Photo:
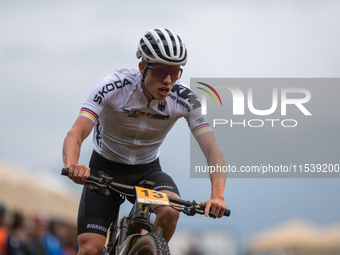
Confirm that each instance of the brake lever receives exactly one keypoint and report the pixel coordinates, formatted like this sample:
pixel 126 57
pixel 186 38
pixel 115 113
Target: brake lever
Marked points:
pixel 105 177
pixel 99 191
pixel 213 215
pixel 96 184
pixel 190 211
pixel 98 188
pixel 201 211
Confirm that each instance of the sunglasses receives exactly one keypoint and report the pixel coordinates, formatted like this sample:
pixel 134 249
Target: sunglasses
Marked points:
pixel 162 72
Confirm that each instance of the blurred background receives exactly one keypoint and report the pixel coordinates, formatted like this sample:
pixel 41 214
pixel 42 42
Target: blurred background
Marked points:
pixel 52 53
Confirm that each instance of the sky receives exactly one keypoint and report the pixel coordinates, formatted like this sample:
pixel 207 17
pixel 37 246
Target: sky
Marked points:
pixel 53 53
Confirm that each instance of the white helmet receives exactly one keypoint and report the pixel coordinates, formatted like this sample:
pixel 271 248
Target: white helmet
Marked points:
pixel 163 46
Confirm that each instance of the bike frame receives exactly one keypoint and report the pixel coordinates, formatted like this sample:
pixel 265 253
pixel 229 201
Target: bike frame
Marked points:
pixel 130 229
pixel 138 219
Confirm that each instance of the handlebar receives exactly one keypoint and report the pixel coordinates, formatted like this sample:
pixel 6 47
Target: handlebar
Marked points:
pixel 131 190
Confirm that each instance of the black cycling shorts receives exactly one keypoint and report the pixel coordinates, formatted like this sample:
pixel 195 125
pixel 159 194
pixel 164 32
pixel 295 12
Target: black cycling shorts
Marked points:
pixel 97 212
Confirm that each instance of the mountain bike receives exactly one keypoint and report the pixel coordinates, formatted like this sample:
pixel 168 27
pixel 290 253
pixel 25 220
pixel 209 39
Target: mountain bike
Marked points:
pixel 132 239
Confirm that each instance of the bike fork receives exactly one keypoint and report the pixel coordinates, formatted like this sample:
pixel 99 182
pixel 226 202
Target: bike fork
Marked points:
pixel 112 234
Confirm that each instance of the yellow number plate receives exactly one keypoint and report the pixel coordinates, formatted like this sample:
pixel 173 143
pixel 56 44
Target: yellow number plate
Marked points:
pixel 149 196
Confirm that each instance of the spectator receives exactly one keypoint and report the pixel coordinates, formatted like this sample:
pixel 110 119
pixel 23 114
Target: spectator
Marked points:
pixel 52 243
pixel 19 242
pixel 39 231
pixel 3 231
pixel 68 237
pixel 52 237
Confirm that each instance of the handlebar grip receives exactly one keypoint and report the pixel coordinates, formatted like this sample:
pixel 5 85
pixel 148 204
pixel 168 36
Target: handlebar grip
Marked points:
pixel 226 212
pixel 64 171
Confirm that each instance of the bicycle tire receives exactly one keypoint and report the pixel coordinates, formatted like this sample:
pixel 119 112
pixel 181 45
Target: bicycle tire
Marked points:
pixel 150 244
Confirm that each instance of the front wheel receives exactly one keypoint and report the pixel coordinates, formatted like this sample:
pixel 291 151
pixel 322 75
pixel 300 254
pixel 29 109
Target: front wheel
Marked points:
pixel 150 244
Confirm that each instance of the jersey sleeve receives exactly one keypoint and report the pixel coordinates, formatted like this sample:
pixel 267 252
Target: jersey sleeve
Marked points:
pixel 98 97
pixel 197 122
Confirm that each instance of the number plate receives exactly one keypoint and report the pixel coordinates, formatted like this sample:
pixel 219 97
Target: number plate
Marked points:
pixel 149 196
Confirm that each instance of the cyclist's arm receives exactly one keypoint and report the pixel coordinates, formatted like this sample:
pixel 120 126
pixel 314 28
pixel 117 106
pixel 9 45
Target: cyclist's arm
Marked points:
pixel 214 157
pixel 71 149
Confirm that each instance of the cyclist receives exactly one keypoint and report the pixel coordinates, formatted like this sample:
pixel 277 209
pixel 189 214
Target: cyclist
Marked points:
pixel 131 111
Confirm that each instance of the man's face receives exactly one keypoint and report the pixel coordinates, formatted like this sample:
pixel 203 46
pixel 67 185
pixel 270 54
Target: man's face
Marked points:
pixel 159 88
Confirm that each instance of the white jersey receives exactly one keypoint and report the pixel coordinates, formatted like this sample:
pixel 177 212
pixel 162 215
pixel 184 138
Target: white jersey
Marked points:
pixel 129 130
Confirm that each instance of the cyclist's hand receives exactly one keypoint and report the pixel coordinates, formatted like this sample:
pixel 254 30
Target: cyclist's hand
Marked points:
pixel 78 173
pixel 216 206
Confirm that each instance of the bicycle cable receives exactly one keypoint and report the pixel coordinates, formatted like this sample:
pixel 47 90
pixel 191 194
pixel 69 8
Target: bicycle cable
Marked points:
pixel 119 192
pixel 177 207
pixel 158 207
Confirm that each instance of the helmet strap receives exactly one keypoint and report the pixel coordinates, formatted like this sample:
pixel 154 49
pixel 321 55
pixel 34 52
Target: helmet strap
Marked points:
pixel 144 74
